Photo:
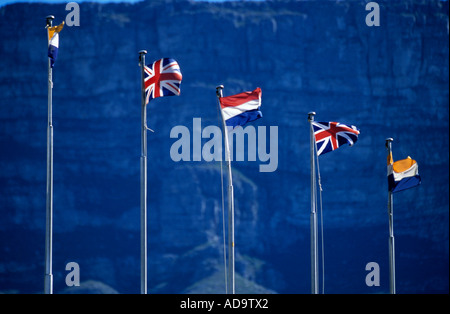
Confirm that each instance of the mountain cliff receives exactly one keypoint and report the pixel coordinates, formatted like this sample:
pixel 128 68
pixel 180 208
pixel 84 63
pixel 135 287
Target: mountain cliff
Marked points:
pixel 389 81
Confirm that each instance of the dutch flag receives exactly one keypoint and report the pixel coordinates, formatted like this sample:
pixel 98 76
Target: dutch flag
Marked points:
pixel 241 108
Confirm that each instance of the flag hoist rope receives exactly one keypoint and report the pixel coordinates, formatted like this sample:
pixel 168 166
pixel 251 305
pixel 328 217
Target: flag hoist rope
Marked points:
pixel 319 182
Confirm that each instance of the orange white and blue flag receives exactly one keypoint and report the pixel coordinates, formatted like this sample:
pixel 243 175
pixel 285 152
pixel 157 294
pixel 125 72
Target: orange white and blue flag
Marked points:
pixel 402 174
pixel 53 42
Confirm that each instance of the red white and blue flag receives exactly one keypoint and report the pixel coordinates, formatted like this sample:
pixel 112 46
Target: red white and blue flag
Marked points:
pixel 162 78
pixel 331 135
pixel 241 108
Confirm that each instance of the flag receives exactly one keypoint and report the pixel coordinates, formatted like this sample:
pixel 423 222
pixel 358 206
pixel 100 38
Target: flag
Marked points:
pixel 331 135
pixel 53 42
pixel 241 108
pixel 402 174
pixel 162 78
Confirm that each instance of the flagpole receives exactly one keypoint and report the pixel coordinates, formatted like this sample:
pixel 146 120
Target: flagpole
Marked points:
pixel 231 266
pixel 313 215
pixel 143 178
pixel 391 229
pixel 48 282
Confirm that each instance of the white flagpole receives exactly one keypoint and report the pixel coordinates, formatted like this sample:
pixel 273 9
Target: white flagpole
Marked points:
pixel 391 229
pixel 143 178
pixel 48 282
pixel 313 215
pixel 231 267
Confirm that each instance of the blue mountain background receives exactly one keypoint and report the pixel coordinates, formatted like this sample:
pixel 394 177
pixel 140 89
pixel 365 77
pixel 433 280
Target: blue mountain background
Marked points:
pixel 389 80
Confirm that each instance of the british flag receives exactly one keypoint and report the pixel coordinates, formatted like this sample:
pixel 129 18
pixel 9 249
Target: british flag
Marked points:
pixel 331 135
pixel 162 78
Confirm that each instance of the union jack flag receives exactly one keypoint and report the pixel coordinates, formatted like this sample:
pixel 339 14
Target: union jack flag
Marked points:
pixel 331 135
pixel 162 78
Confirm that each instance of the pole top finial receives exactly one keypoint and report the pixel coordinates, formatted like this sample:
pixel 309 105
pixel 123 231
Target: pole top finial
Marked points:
pixel 142 54
pixel 49 19
pixel 311 115
pixel 219 90
pixel 389 141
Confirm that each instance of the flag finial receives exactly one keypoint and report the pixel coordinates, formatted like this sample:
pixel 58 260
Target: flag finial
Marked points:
pixel 219 91
pixel 49 19
pixel 311 116
pixel 141 53
pixel 389 140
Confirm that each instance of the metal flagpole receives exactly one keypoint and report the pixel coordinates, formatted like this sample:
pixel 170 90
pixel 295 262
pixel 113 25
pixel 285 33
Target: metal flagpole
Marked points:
pixel 391 229
pixel 313 216
pixel 143 178
pixel 48 283
pixel 231 268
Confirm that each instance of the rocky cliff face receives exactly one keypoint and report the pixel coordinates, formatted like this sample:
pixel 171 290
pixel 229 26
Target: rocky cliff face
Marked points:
pixel 389 81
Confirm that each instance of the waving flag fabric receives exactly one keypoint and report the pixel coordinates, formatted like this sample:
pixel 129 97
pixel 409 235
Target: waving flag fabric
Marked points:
pixel 53 42
pixel 331 135
pixel 162 78
pixel 241 108
pixel 402 174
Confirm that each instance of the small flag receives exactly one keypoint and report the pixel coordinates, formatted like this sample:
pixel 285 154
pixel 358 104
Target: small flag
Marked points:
pixel 402 174
pixel 331 135
pixel 53 42
pixel 241 108
pixel 162 78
